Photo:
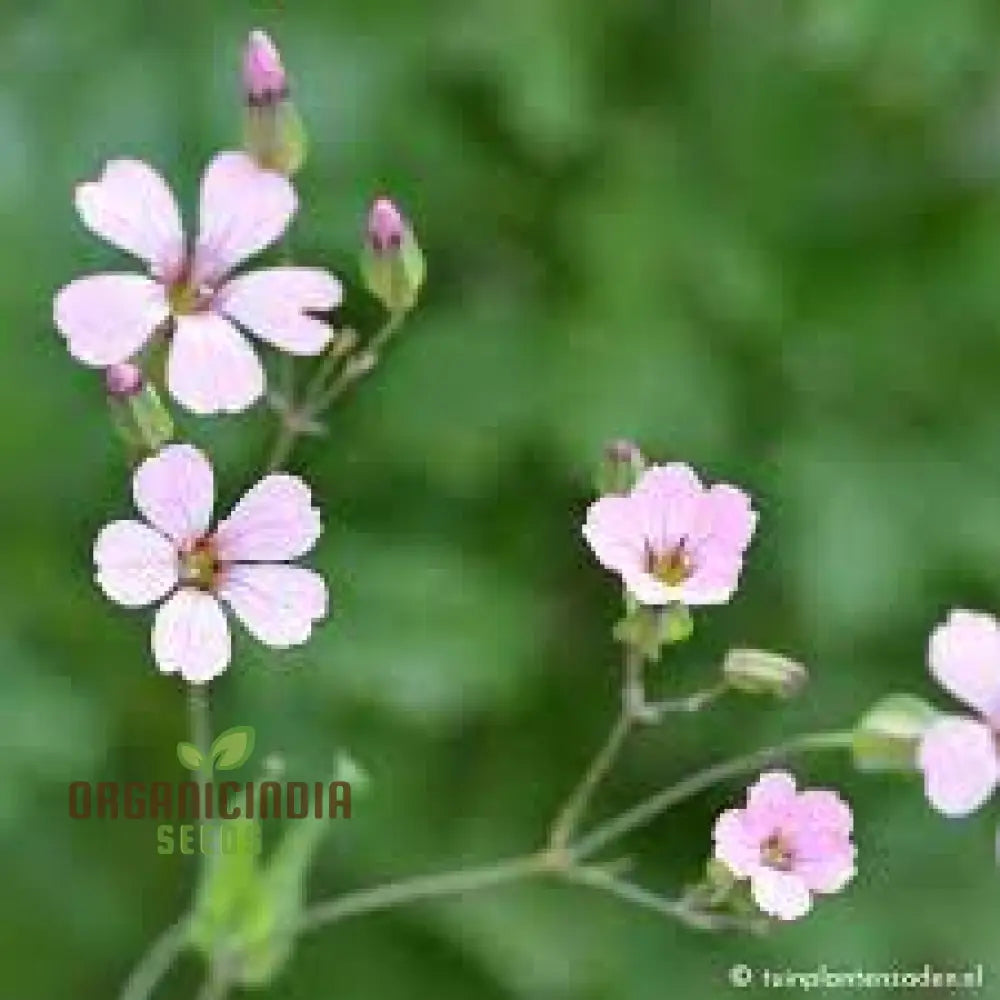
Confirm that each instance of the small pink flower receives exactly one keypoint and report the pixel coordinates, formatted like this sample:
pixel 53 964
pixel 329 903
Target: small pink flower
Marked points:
pixel 264 78
pixel 242 563
pixel 960 756
pixel 211 367
pixel 790 844
pixel 671 540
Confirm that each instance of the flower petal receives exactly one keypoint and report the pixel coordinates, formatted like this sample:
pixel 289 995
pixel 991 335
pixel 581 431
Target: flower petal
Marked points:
pixel 616 535
pixel 725 517
pixel 821 809
pixel 135 564
pixel 964 655
pixel 273 303
pixel 274 522
pixel 243 210
pixel 175 491
pixel 191 637
pixel 781 894
pixel 107 318
pixel 278 604
pixel 735 846
pixel 771 803
pixel 212 368
pixel 131 207
pixel 667 499
pixel 959 760
pixel 825 863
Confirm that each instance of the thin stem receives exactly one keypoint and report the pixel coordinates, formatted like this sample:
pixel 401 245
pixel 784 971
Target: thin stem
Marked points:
pixel 659 803
pixel 156 963
pixel 632 708
pixel 656 710
pixel 321 394
pixel 675 909
pixel 422 887
pixel 201 729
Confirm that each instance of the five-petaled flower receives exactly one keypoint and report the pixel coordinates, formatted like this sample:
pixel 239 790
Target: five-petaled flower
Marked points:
pixel 960 756
pixel 790 844
pixel 671 540
pixel 189 293
pixel 242 563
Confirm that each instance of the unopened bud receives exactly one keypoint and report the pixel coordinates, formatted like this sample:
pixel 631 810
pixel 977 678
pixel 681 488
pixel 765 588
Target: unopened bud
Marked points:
pixel 123 380
pixel 264 78
pixel 392 262
pixel 887 737
pixel 756 671
pixel 273 131
pixel 142 420
pixel 620 468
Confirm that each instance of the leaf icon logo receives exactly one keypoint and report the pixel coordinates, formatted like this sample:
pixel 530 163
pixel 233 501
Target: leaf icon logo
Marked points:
pixel 230 750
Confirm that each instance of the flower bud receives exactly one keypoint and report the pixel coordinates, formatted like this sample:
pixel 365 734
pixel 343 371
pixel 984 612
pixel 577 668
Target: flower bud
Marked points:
pixel 755 671
pixel 392 262
pixel 887 737
pixel 273 131
pixel 124 380
pixel 620 468
pixel 142 420
pixel 264 79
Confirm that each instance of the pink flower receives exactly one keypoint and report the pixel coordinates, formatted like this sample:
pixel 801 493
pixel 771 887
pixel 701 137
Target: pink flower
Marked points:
pixel 264 78
pixel 386 226
pixel 671 540
pixel 958 755
pixel 243 563
pixel 790 844
pixel 211 368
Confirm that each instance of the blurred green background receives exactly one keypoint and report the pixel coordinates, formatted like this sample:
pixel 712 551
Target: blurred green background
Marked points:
pixel 759 236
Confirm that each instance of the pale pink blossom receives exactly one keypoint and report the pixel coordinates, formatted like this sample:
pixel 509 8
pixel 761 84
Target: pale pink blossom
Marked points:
pixel 264 78
pixel 673 540
pixel 243 564
pixel 189 292
pixel 386 226
pixel 791 845
pixel 959 755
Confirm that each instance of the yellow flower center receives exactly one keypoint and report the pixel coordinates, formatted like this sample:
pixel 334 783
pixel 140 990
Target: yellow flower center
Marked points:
pixel 776 853
pixel 200 566
pixel 671 568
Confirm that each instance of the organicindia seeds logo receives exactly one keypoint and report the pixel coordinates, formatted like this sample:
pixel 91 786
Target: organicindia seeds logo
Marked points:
pixel 205 816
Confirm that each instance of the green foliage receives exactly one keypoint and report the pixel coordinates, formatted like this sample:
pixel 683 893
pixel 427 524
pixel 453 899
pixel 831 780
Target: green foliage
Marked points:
pixel 760 237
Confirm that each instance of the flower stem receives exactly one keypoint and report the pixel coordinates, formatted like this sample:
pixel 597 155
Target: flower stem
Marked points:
pixel 632 707
pixel 422 887
pixel 156 963
pixel 659 803
pixel 323 390
pixel 200 721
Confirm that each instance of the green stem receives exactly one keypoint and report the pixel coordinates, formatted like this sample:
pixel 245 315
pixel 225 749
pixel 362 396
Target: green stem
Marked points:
pixel 659 803
pixel 321 394
pixel 420 888
pixel 156 963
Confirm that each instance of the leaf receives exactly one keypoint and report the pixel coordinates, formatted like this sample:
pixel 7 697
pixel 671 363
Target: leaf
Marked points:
pixel 189 756
pixel 233 747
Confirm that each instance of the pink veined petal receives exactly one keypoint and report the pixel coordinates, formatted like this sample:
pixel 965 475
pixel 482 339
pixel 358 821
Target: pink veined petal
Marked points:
pixel 666 501
pixel 273 304
pixel 819 809
pixel 771 803
pixel 734 846
pixel 278 604
pixel 135 564
pixel 646 589
pixel 614 531
pixel 958 758
pixel 715 577
pixel 780 894
pixel 130 206
pixel 175 491
pixel 243 210
pixel 274 522
pixel 964 655
pixel 825 862
pixel 107 318
pixel 725 518
pixel 212 368
pixel 191 637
